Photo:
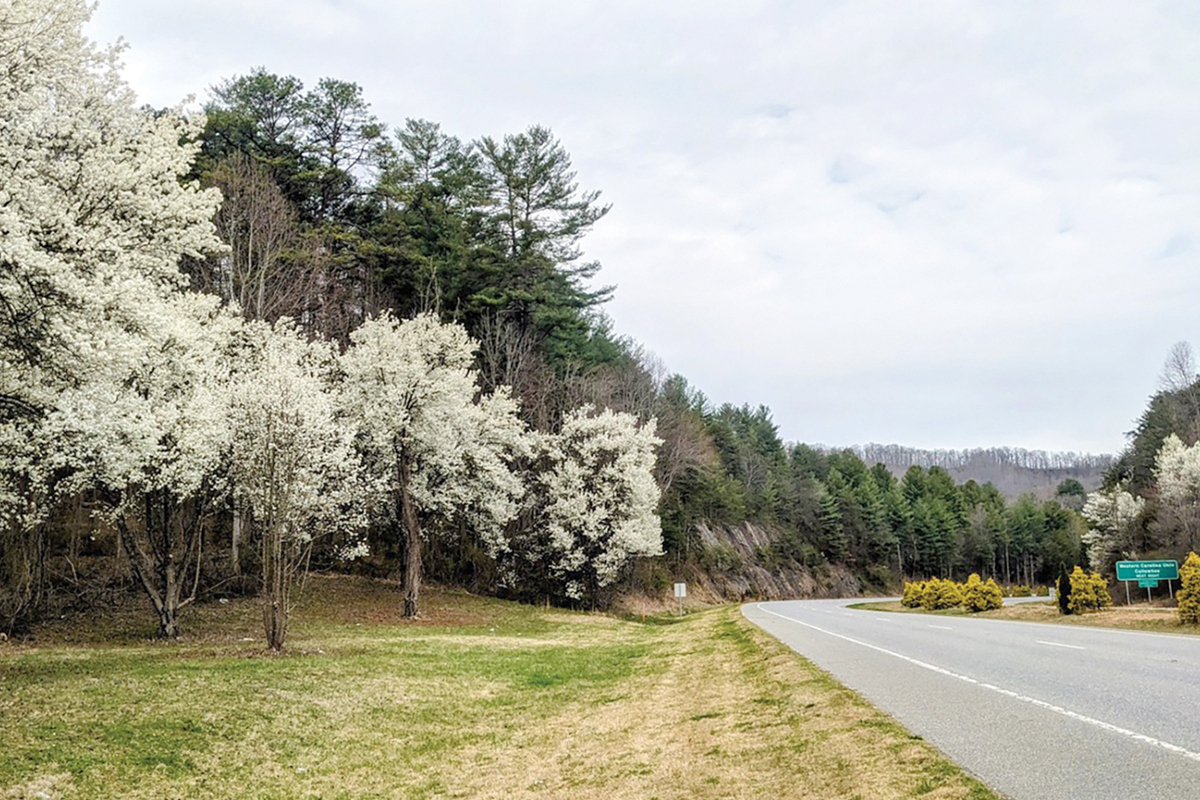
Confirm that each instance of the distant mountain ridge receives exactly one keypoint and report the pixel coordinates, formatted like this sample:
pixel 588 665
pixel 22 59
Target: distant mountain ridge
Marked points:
pixel 1012 470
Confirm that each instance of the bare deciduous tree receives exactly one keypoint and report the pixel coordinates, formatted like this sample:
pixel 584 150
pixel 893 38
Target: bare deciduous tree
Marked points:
pixel 1179 370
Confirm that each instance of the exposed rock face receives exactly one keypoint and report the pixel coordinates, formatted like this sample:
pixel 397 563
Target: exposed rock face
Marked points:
pixel 742 573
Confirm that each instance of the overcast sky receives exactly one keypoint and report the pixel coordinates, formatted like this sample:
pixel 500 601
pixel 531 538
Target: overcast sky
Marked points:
pixel 938 224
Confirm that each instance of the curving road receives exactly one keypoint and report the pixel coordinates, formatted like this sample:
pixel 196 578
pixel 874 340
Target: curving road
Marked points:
pixel 1037 712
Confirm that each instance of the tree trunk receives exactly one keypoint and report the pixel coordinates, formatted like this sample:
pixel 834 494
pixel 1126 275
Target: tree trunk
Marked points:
pixel 170 544
pixel 412 543
pixel 275 588
pixel 235 560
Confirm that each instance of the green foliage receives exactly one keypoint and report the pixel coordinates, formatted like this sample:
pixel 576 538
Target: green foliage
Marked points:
pixel 1064 591
pixel 1071 494
pixel 1071 488
pixel 914 593
pixel 1188 596
pixel 979 595
pixel 1172 411
pixel 1089 592
pixel 721 557
pixel 1021 590
pixel 940 594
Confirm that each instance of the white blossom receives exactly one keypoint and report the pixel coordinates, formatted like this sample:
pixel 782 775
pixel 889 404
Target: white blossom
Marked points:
pixel 1177 469
pixel 598 498
pixel 294 466
pixel 1112 513
pixel 94 219
pixel 411 388
pixel 293 461
pixel 152 415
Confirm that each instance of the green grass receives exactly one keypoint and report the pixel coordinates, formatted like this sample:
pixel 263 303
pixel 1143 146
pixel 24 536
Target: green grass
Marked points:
pixel 479 699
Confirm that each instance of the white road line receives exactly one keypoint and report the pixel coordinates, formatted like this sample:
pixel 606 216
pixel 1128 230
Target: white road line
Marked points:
pixel 1060 644
pixel 884 619
pixel 1108 726
pixel 942 627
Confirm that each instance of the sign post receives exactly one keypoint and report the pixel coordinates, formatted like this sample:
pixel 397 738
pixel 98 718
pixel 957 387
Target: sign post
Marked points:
pixel 1147 574
pixel 1147 585
pixel 680 593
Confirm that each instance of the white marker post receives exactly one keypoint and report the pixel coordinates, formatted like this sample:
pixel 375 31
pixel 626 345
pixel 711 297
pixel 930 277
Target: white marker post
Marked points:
pixel 680 593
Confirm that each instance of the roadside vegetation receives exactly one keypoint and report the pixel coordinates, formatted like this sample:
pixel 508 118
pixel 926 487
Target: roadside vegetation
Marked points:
pixel 1161 618
pixel 478 698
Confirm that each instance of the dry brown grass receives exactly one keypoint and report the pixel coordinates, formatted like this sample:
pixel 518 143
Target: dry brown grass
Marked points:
pixel 1135 617
pixel 723 711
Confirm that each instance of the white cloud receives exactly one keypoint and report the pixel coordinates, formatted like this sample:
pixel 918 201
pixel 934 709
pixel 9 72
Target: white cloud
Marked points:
pixel 944 223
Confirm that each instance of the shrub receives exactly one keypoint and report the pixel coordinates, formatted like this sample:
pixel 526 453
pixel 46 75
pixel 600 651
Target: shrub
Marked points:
pixel 1088 592
pixel 993 588
pixel 1188 595
pixel 1021 590
pixel 720 557
pixel 913 592
pixel 940 594
pixel 980 596
pixel 1064 591
pixel 1100 586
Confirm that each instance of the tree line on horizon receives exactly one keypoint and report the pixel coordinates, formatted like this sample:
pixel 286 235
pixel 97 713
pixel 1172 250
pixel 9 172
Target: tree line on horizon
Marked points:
pixel 899 457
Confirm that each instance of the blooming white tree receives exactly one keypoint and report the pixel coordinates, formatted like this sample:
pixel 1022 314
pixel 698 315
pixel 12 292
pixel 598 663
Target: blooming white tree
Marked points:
pixel 1177 471
pixel 294 467
pixel 148 429
pixel 443 454
pixel 1112 513
pixel 94 214
pixel 596 501
pixel 95 219
pixel 153 435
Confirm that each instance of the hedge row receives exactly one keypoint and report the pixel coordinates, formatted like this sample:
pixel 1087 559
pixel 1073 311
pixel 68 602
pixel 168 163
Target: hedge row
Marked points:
pixel 936 594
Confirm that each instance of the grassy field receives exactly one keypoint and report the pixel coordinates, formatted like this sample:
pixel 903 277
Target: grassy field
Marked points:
pixel 480 698
pixel 1136 617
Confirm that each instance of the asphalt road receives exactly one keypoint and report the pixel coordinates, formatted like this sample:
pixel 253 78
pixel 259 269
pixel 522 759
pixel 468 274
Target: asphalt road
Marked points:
pixel 1037 712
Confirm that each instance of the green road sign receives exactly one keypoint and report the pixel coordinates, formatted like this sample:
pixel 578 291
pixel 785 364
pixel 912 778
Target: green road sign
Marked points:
pixel 1147 571
pixel 1148 584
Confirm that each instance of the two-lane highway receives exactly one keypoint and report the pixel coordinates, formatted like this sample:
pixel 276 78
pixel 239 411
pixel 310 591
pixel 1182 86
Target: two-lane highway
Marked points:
pixel 1038 712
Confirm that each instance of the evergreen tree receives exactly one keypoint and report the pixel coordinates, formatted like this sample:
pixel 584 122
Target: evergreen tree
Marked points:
pixel 1064 590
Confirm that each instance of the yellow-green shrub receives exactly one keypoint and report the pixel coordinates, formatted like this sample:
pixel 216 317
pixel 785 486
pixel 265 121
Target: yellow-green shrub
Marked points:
pixel 940 594
pixel 1021 590
pixel 980 596
pixel 1088 592
pixel 991 587
pixel 1188 596
pixel 913 592
pixel 1100 583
